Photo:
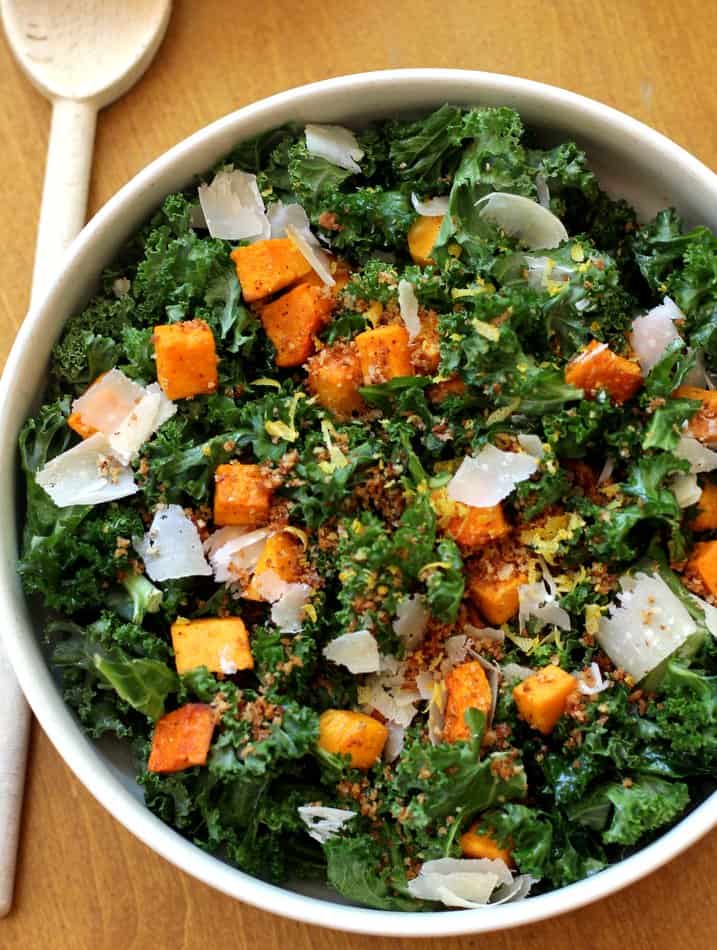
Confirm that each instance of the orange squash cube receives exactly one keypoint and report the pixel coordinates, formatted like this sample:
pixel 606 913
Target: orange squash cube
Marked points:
pixel 284 555
pixel 496 597
pixel 335 377
pixel 467 687
pixel 219 643
pixel 542 697
pixel 292 321
pixel 474 845
pixel 74 421
pixel 242 495
pixel 597 367
pixel 422 236
pixel 355 734
pixel 469 527
pixel 703 425
pixel 186 358
pixel 384 354
pixel 703 564
pixel 265 267
pixel 706 518
pixel 182 738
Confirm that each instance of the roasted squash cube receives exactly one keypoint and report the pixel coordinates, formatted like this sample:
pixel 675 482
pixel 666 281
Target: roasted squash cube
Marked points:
pixel 292 321
pixel 597 367
pixel 265 267
pixel 474 845
pixel 355 734
pixel 186 359
pixel 496 597
pixel 384 354
pixel 422 236
pixel 447 387
pixel 242 495
pixel 467 687
pixel 703 565
pixel 469 527
pixel 284 555
pixel 542 697
pixel 703 425
pixel 182 738
pixel 706 518
pixel 335 377
pixel 219 643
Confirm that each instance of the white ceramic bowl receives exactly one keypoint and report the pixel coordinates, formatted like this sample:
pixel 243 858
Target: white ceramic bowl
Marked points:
pixel 631 160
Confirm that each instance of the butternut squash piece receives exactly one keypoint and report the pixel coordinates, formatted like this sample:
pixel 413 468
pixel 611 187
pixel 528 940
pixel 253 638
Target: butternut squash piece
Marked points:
pixel 495 597
pixel 422 236
pixel 597 367
pixel 467 687
pixel 354 734
pixel 474 845
pixel 265 267
pixel 706 518
pixel 447 387
pixel 542 697
pixel 469 527
pixel 292 321
pixel 74 421
pixel 186 358
pixel 182 738
pixel 219 643
pixel 335 377
pixel 384 354
pixel 242 495
pixel 703 564
pixel 283 554
pixel 703 425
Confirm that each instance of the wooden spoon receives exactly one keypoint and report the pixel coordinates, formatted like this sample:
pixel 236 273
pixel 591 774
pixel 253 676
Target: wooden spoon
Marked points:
pixel 82 55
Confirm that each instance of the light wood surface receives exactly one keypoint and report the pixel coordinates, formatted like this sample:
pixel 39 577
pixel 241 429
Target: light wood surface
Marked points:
pixel 83 881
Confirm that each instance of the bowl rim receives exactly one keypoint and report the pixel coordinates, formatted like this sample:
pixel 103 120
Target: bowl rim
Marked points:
pixel 20 638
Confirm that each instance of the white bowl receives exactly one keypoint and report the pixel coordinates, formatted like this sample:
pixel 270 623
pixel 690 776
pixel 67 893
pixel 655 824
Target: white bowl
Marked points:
pixel 631 160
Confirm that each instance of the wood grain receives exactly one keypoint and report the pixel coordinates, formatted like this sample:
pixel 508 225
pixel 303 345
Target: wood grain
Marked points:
pixel 83 881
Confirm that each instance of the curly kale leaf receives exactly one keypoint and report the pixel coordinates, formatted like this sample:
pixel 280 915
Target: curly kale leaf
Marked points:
pixel 371 872
pixel 627 811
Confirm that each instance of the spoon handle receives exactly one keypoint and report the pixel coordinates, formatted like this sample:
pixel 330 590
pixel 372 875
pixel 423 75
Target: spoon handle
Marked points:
pixel 14 734
pixel 64 195
pixel 62 215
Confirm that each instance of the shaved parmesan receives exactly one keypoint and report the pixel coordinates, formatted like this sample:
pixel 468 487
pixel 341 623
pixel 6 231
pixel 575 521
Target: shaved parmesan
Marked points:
pixel 336 144
pixel 233 551
pixel 87 474
pixel 647 625
pixel 513 672
pixel 543 271
pixel 527 220
pixel 433 208
pixel 606 471
pixel 233 208
pixel 411 621
pixel 538 601
pixel 394 742
pixel 493 675
pixel 106 403
pixel 408 305
pixel 596 683
pixel 531 444
pixel 455 650
pixel 324 822
pixel 121 287
pixel 686 490
pixel 460 882
pixel 357 651
pixel 489 477
pixel 425 682
pixel 315 255
pixel 281 215
pixel 710 612
pixel 288 611
pixel 172 547
pixel 124 411
pixel 701 458
pixel 542 191
pixel 436 711
pixel 653 332
pixel 484 633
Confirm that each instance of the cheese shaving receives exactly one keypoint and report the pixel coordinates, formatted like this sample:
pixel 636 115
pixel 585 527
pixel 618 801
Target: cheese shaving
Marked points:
pixel 487 478
pixel 172 547
pixel 357 651
pixel 233 208
pixel 335 144
pixel 527 220
pixel 408 305
pixel 87 474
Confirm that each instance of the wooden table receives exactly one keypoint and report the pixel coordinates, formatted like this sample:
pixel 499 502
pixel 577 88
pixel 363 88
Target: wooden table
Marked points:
pixel 83 881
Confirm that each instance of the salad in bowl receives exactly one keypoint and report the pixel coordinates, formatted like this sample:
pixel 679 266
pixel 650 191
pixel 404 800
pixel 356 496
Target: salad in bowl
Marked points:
pixel 371 505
